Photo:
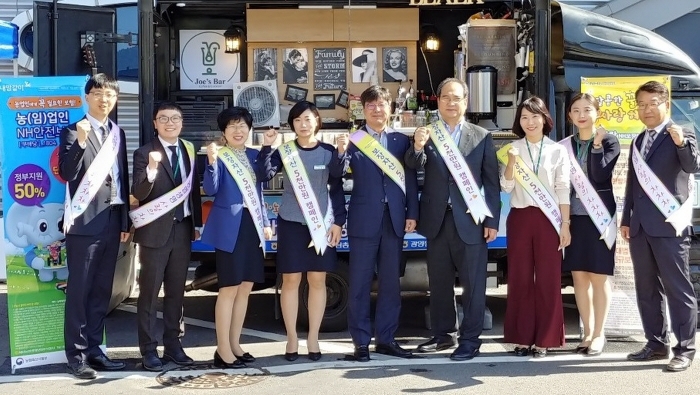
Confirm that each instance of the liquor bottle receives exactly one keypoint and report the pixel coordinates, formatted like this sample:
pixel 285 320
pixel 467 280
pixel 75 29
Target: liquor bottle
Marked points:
pixel 411 101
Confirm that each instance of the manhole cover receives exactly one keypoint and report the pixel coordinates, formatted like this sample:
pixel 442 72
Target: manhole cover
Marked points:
pixel 178 377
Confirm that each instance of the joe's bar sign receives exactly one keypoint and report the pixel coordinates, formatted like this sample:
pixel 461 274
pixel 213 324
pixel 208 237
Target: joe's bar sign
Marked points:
pixel 447 2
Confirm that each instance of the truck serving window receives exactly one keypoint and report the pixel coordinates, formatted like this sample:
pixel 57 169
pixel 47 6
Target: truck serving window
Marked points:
pixel 127 56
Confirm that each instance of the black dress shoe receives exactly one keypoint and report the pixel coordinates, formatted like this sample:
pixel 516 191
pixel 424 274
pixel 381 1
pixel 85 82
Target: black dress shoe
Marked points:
pixel 245 358
pixel 435 344
pixel 647 354
pixel 393 349
pixel 220 363
pixel 82 370
pixel 178 356
pixel 464 353
pixel 314 356
pixel 362 353
pixel 101 362
pixel 151 362
pixel 679 364
pixel 522 351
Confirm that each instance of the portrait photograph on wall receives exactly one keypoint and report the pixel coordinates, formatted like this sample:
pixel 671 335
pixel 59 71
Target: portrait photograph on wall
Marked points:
pixel 364 65
pixel 324 101
pixel 295 66
pixel 395 66
pixel 295 93
pixel 265 64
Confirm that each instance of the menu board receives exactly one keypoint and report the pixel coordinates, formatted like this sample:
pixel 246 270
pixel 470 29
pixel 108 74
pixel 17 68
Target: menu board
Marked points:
pixel 330 70
pixel 494 45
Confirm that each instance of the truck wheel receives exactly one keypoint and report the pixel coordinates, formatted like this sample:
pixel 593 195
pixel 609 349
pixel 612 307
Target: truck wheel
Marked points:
pixel 335 318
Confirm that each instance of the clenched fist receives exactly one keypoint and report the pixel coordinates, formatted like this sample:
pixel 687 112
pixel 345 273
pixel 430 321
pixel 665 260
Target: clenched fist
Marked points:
pixel 212 152
pixel 83 128
pixel 269 137
pixel 600 134
pixel 420 138
pixel 513 154
pixel 342 142
pixel 153 159
pixel 676 133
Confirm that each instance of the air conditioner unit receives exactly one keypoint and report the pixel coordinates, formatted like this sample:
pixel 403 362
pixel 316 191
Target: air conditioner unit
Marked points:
pixel 261 99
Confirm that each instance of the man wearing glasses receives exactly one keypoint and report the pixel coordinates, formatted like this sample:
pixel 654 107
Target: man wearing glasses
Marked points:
pixel 456 217
pixel 169 218
pixel 383 207
pixel 92 159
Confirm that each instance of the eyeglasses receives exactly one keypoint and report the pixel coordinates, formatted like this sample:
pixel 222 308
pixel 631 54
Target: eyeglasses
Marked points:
pixel 644 106
pixel 375 106
pixel 174 119
pixel 102 95
pixel 451 100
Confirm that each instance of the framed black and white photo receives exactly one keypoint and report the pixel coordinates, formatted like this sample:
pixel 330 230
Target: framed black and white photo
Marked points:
pixel 324 101
pixel 265 64
pixel 295 93
pixel 364 65
pixel 295 66
pixel 343 98
pixel 394 64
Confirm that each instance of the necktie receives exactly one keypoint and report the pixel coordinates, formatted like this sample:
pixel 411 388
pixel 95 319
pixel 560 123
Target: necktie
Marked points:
pixel 651 135
pixel 110 178
pixel 177 176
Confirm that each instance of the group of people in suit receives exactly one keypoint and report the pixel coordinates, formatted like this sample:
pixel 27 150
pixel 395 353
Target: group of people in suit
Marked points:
pixel 458 212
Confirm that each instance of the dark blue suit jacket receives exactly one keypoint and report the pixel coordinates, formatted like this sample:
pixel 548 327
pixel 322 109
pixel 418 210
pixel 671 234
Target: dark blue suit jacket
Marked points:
pixel 371 186
pixel 673 165
pixel 224 221
pixel 600 166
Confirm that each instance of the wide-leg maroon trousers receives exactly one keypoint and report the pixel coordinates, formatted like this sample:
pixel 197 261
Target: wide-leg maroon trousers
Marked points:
pixel 534 312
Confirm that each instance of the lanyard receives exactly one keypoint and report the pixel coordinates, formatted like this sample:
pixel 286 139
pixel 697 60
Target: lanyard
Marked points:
pixel 582 154
pixel 535 168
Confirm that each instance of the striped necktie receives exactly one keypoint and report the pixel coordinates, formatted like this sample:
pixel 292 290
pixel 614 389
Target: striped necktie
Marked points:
pixel 651 135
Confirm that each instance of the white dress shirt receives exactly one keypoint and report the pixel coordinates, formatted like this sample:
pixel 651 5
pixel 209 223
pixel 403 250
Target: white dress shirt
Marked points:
pixel 553 173
pixel 96 125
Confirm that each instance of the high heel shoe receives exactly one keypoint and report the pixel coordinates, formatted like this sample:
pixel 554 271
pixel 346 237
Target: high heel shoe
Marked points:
pixel 522 351
pixel 314 356
pixel 539 352
pixel 596 347
pixel 291 356
pixel 245 358
pixel 220 363
pixel 583 349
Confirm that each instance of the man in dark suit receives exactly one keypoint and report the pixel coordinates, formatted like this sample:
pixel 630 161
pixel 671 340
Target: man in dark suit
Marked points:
pixel 455 240
pixel 160 167
pixel 94 227
pixel 660 250
pixel 382 207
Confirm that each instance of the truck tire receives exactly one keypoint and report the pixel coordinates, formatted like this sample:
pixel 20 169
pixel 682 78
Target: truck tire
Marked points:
pixel 335 318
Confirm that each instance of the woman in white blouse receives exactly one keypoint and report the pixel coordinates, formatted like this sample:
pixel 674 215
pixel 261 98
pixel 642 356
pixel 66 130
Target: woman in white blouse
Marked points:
pixel 537 177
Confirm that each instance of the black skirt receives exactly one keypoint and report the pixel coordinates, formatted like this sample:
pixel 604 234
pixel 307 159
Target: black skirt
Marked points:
pixel 587 252
pixel 246 261
pixel 294 254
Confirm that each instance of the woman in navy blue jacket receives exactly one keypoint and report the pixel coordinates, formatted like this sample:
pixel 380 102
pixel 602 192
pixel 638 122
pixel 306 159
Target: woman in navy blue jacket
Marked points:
pixel 236 227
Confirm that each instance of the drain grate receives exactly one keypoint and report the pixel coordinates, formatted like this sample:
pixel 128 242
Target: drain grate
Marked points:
pixel 178 377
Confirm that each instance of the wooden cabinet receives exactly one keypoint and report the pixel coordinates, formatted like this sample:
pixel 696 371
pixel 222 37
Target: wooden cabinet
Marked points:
pixel 380 24
pixel 289 25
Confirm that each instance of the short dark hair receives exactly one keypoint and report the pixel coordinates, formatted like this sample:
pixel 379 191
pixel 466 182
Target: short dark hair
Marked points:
pixel 449 80
pixel 374 93
pixel 653 87
pixel 299 109
pixel 166 105
pixel 534 105
pixel 101 81
pixel 234 114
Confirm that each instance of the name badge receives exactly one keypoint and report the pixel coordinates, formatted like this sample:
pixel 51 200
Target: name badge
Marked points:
pixel 319 167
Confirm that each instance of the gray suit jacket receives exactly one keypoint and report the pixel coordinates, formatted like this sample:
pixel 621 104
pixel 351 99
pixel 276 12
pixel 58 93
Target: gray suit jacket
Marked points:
pixel 476 145
pixel 673 165
pixel 156 233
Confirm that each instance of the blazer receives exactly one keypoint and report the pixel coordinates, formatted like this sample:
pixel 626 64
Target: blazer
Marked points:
pixel 371 186
pixel 477 148
pixel 224 220
pixel 673 165
pixel 600 167
pixel 73 162
pixel 156 233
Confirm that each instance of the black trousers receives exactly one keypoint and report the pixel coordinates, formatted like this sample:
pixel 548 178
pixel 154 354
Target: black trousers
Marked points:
pixel 91 263
pixel 661 273
pixel 447 254
pixel 165 266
